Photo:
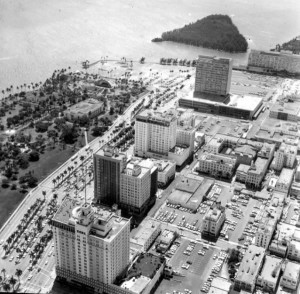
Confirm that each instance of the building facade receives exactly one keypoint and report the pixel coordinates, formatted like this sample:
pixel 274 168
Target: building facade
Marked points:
pixel 213 75
pixel 290 277
pixel 135 188
pixel 212 222
pixel 155 132
pixel 273 61
pixel 217 164
pixel 108 166
pixel 91 244
pixel 285 156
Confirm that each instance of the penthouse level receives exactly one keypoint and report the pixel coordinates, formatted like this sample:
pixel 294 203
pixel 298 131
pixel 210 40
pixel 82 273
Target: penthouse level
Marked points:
pixel 156 117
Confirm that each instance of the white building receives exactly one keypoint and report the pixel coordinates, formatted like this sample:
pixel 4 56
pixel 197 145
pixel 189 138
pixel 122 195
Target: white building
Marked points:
pixel 166 169
pixel 290 277
pixel 186 136
pixel 148 231
pixel 90 108
pixel 269 276
pixel 213 221
pixel 285 156
pixel 135 186
pixel 265 232
pixel 285 180
pixel 293 252
pixel 91 244
pixel 249 269
pixel 217 164
pixel 155 133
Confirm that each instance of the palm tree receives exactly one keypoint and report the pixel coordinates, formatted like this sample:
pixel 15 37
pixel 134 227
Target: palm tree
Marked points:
pixel 54 181
pixel 3 271
pixel 6 287
pixel 12 281
pixel 44 194
pixel 18 273
pixel 5 247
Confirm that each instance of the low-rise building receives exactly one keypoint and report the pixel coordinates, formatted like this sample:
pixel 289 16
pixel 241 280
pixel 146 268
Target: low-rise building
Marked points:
pixel 242 172
pixel 89 108
pixel 285 180
pixel 217 164
pixel 165 241
pixel 249 269
pixel 283 237
pixel 265 232
pixel 213 221
pixel 257 172
pixel 166 170
pixel 215 145
pixel 269 276
pixel 245 154
pixel 285 157
pixel 293 252
pixel 295 190
pixel 148 231
pixel 290 277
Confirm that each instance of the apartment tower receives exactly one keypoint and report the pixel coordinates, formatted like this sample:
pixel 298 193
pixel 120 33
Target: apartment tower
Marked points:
pixel 213 76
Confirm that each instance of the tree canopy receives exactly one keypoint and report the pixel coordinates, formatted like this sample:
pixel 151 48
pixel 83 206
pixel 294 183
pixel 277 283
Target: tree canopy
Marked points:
pixel 214 32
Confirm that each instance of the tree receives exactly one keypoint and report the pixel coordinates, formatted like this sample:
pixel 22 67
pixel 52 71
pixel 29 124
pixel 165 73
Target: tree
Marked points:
pixel 19 273
pixel 3 271
pixel 6 287
pixel 22 160
pixel 111 111
pixel 5 183
pixel 44 194
pixel 34 156
pixel 97 131
pixel 12 281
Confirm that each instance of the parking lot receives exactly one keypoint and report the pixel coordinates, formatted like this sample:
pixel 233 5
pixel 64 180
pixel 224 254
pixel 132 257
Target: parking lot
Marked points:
pixel 195 265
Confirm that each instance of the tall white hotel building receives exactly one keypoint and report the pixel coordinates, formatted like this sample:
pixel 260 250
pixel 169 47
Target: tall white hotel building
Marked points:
pixel 155 133
pixel 91 245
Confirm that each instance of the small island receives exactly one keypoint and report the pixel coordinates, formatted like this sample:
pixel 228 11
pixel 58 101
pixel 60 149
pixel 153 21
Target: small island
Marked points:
pixel 214 32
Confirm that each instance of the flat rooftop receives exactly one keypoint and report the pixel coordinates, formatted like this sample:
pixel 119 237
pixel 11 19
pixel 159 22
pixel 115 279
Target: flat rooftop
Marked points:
pixel 84 107
pixel 286 176
pixel 145 230
pixel 245 102
pixel 259 165
pixel 292 270
pixel 292 108
pixel 250 264
pixel 188 185
pixel 271 263
pixel 70 212
pixel 157 117
pixel 110 152
pixel 146 265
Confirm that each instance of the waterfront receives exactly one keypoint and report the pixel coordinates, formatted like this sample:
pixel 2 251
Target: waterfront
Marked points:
pixel 38 37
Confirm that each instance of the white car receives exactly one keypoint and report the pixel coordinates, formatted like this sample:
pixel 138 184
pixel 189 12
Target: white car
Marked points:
pixel 46 262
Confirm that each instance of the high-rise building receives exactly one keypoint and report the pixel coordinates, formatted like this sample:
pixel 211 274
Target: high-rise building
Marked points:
pixel 108 166
pixel 213 76
pixel 135 188
pixel 155 133
pixel 285 156
pixel 91 244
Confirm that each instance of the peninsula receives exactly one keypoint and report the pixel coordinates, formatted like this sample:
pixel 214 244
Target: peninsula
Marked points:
pixel 214 32
pixel 292 45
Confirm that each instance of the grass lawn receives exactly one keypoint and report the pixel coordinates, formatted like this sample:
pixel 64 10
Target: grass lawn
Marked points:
pixel 10 199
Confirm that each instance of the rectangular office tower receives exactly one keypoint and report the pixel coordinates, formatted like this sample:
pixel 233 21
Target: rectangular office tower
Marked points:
pixel 91 245
pixel 155 133
pixel 108 165
pixel 213 76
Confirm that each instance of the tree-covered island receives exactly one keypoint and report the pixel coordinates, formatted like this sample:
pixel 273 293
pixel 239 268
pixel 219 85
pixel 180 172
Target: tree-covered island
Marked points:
pixel 214 32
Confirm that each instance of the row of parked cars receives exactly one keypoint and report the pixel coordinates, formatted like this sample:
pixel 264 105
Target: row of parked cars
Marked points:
pixel 166 216
pixel 220 259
